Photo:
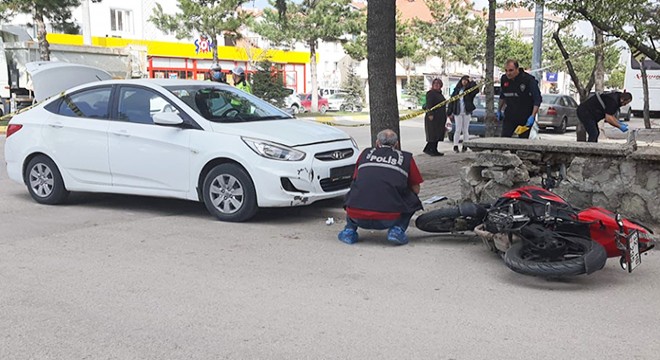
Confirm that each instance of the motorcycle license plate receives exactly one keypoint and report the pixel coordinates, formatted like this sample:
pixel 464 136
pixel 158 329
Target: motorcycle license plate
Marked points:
pixel 633 257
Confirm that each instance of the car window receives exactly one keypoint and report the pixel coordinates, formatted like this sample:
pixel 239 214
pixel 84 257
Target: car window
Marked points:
pixel 138 105
pixel 480 102
pixel 89 104
pixel 573 102
pixel 226 104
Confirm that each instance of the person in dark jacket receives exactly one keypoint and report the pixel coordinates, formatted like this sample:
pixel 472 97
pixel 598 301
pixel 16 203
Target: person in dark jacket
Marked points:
pixel 460 111
pixel 602 106
pixel 384 190
pixel 434 121
pixel 520 99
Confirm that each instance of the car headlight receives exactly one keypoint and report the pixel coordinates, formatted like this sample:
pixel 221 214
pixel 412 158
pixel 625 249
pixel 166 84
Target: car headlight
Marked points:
pixel 272 150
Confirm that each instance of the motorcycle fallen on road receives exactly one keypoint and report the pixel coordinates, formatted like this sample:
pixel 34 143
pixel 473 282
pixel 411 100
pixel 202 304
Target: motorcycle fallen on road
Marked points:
pixel 538 233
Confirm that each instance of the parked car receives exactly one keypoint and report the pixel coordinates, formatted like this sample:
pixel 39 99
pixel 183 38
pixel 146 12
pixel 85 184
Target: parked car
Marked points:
pixel 477 124
pixel 292 102
pixel 341 102
pixel 557 111
pixel 306 103
pixel 195 140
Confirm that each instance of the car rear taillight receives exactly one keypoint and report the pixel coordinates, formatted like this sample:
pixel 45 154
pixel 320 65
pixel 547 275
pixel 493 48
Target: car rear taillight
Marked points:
pixel 13 128
pixel 552 111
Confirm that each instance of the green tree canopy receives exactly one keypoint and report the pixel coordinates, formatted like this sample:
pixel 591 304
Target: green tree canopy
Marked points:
pixel 268 84
pixel 309 22
pixel 211 18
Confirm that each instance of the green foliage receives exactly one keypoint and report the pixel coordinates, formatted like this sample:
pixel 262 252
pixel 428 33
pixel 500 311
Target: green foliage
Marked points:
pixel 455 34
pixel 616 77
pixel 415 88
pixel 268 84
pixel 354 88
pixel 210 18
pixel 577 45
pixel 310 21
pixel 509 46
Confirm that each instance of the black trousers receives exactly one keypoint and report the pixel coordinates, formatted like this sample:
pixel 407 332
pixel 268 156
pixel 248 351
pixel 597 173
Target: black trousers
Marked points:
pixel 590 125
pixel 509 127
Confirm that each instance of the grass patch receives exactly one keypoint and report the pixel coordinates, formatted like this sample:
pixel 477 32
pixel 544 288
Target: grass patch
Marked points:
pixel 4 122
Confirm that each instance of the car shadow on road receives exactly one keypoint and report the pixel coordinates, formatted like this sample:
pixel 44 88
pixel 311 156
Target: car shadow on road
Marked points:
pixel 165 206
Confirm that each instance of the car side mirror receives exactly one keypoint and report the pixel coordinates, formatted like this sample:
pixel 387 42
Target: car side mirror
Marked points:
pixel 167 119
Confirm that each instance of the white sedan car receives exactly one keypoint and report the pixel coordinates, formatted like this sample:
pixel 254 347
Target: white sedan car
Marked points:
pixel 195 140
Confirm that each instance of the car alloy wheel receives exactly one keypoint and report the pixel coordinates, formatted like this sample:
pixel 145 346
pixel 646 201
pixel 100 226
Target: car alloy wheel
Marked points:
pixel 45 181
pixel 229 193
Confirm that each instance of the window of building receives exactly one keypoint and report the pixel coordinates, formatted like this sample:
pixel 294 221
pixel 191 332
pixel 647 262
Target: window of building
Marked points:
pixel 120 20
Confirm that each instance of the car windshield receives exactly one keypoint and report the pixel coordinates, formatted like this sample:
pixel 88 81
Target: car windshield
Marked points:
pixel 226 104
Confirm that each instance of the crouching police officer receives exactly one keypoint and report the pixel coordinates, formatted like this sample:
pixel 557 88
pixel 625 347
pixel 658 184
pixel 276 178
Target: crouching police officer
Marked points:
pixel 602 106
pixel 384 191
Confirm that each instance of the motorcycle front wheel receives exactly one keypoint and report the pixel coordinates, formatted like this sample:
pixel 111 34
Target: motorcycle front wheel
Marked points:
pixel 558 255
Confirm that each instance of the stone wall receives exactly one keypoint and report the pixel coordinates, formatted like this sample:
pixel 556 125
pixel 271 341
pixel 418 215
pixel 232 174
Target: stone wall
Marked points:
pixel 617 177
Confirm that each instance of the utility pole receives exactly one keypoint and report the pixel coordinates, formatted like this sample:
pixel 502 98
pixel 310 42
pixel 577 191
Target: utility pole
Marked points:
pixel 538 41
pixel 86 24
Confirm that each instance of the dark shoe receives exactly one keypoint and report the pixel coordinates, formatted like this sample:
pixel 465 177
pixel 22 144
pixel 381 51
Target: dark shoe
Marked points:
pixel 437 153
pixel 456 149
pixel 464 148
pixel 397 236
pixel 348 236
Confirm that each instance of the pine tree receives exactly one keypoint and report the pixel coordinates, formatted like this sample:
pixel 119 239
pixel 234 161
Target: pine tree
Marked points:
pixel 354 89
pixel 415 88
pixel 268 84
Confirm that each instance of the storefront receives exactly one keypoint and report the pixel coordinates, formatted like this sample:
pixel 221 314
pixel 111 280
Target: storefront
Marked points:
pixel 174 60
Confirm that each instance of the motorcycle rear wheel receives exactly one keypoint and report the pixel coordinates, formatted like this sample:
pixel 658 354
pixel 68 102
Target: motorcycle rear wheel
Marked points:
pixel 584 257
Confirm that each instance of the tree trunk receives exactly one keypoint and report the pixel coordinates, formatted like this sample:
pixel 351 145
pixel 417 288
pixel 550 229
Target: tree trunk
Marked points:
pixel 214 49
pixel 312 69
pixel 381 66
pixel 491 121
pixel 645 88
pixel 44 47
pixel 599 68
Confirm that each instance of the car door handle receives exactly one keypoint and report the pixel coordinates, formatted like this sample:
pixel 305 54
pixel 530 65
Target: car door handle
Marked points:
pixel 122 133
pixel 56 125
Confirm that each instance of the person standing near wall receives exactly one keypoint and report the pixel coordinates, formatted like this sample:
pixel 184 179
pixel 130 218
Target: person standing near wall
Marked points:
pixel 434 121
pixel 460 111
pixel 520 99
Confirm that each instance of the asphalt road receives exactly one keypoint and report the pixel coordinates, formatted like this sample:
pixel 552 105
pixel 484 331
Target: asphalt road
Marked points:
pixel 119 277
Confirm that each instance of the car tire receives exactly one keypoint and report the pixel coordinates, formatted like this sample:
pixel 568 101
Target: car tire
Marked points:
pixel 561 129
pixel 229 193
pixel 44 181
pixel 323 109
pixel 295 109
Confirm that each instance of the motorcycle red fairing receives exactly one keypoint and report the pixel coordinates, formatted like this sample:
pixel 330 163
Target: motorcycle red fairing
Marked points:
pixel 603 229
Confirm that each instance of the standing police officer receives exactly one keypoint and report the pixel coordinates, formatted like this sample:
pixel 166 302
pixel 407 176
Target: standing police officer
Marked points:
pixel 520 99
pixel 239 80
pixel 216 74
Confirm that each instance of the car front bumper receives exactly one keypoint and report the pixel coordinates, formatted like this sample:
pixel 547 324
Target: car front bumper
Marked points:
pixel 294 183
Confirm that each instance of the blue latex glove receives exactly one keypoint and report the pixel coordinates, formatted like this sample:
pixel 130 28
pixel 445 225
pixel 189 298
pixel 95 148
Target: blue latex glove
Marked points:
pixel 623 127
pixel 530 121
pixel 498 115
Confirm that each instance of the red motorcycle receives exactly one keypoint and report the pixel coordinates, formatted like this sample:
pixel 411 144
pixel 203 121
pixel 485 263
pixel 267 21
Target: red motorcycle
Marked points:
pixel 539 233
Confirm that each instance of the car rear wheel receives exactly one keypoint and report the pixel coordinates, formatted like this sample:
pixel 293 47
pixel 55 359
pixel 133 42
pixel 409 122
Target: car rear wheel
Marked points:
pixel 562 127
pixel 323 109
pixel 44 181
pixel 229 193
